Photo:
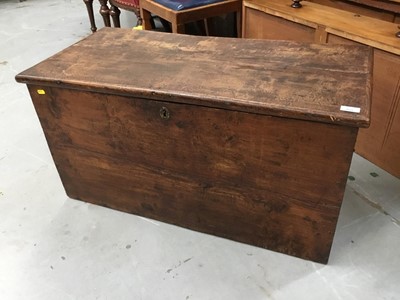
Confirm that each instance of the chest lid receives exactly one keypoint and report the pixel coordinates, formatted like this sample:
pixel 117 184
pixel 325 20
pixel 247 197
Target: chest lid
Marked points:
pixel 326 83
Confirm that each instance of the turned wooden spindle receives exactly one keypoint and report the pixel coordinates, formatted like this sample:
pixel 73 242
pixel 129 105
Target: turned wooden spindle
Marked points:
pixel 105 12
pixel 115 13
pixel 89 6
pixel 296 4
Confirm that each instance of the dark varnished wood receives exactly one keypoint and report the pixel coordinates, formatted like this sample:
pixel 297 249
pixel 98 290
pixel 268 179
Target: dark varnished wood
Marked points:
pixel 115 13
pixel 214 150
pixel 105 12
pixel 112 11
pixel 89 7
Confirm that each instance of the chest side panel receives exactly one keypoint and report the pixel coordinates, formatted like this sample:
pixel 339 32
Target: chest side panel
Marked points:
pixel 272 182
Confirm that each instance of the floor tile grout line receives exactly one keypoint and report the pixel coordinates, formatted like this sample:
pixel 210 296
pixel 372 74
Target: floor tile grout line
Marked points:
pixel 375 205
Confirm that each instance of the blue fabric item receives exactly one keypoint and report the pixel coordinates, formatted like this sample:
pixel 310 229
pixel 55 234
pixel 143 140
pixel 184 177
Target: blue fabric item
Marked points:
pixel 185 4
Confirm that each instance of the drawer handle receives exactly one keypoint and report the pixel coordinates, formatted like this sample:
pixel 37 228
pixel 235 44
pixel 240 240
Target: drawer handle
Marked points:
pixel 398 32
pixel 164 113
pixel 296 4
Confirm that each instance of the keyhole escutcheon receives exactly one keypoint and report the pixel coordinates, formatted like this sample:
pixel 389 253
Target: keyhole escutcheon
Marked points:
pixel 164 113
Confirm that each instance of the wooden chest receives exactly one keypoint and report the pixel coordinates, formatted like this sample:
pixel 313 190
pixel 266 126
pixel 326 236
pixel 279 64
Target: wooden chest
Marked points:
pixel 249 140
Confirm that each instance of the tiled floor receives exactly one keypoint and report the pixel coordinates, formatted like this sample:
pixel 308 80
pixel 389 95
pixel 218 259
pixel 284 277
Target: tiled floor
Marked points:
pixel 53 247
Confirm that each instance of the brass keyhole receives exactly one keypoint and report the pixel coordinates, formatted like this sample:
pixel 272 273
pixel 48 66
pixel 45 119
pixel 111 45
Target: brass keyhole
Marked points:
pixel 164 113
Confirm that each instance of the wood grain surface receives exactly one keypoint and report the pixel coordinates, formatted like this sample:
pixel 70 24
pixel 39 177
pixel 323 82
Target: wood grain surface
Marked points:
pixel 272 182
pixel 282 78
pixel 380 142
pixel 366 30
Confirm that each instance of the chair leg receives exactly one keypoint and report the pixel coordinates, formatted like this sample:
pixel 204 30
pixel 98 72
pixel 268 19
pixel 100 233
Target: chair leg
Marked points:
pixel 138 16
pixel 238 17
pixel 105 13
pixel 89 6
pixel 177 28
pixel 146 19
pixel 115 13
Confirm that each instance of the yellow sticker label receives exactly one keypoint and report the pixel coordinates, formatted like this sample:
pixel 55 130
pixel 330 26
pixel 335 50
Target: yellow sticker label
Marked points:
pixel 41 92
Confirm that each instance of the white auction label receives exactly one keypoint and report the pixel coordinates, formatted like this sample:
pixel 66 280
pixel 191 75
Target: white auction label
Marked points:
pixel 350 109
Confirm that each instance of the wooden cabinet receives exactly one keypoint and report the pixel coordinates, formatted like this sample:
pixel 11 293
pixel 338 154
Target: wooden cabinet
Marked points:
pixel 267 19
pixel 248 140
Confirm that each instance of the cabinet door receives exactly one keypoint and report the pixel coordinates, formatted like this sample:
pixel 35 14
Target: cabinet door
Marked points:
pixel 380 142
pixel 259 25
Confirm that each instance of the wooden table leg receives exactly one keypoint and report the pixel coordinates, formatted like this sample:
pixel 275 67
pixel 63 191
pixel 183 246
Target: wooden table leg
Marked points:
pixel 105 12
pixel 89 6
